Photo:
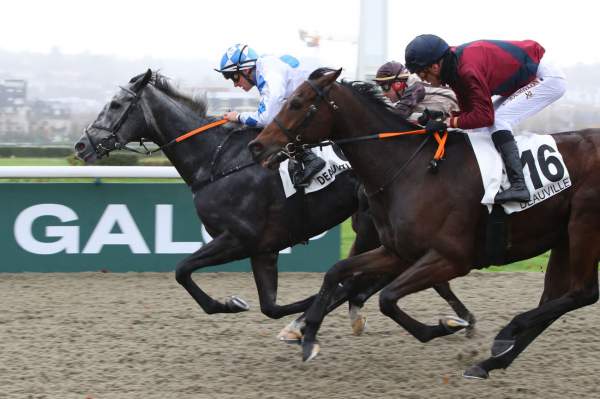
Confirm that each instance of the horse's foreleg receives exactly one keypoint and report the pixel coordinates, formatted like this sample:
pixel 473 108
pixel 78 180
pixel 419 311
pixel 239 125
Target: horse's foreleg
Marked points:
pixel 430 270
pixel 293 331
pixel 361 289
pixel 373 263
pixel 264 268
pixel 222 249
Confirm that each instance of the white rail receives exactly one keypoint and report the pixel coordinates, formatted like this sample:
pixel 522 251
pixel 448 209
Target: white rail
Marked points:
pixel 88 171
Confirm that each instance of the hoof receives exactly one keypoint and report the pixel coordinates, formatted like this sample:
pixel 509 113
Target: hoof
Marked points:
pixel 358 322
pixel 359 326
pixel 292 333
pixel 476 373
pixel 236 304
pixel 502 346
pixel 289 337
pixel 470 331
pixel 310 350
pixel 453 323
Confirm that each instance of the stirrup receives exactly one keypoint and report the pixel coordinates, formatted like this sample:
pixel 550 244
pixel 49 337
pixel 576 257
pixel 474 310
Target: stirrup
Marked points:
pixel 513 195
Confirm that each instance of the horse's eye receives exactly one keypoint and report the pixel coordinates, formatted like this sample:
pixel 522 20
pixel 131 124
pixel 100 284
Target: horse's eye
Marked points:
pixel 114 105
pixel 295 104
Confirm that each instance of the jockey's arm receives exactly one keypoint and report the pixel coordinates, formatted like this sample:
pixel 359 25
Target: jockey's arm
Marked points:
pixel 271 86
pixel 477 100
pixel 411 96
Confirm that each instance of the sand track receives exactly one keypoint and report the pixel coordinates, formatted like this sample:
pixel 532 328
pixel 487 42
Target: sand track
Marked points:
pixel 139 335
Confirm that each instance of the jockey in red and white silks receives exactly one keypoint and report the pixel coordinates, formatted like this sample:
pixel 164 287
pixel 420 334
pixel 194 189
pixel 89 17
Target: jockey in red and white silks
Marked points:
pixel 514 70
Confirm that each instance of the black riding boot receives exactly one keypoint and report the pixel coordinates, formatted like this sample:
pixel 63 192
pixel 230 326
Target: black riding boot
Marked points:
pixel 312 165
pixel 506 145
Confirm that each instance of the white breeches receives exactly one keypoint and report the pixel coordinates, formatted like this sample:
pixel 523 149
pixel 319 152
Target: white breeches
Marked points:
pixel 548 86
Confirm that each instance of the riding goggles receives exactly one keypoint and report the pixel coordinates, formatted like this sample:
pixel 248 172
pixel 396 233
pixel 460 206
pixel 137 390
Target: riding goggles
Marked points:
pixel 397 84
pixel 234 76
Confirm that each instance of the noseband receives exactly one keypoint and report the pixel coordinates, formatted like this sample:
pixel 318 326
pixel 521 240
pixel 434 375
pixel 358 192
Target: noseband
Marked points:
pixel 291 148
pixel 103 147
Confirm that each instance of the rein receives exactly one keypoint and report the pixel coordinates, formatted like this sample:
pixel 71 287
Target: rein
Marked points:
pixel 433 164
pixel 178 139
pixel 439 154
pixel 101 149
pixel 296 139
pixel 149 117
pixel 102 146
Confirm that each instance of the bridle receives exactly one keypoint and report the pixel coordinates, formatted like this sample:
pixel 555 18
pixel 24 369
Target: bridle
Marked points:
pixel 103 146
pixel 111 142
pixel 291 148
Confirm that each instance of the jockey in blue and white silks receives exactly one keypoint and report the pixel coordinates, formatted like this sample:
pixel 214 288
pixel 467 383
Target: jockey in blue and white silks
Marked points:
pixel 276 78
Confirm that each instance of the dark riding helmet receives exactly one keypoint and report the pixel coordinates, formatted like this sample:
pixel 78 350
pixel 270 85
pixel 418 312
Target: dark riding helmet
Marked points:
pixel 423 51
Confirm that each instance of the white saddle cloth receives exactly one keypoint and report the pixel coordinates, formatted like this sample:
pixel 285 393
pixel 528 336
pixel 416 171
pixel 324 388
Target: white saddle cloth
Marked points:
pixel 334 165
pixel 545 171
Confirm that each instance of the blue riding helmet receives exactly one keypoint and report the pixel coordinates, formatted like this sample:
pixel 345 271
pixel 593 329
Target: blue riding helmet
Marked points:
pixel 237 58
pixel 423 51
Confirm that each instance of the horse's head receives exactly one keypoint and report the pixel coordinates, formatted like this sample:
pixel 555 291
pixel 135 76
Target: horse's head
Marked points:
pixel 119 122
pixel 306 117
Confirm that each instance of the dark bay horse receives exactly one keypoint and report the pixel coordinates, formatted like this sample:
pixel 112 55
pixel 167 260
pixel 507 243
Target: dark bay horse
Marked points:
pixel 242 205
pixel 432 226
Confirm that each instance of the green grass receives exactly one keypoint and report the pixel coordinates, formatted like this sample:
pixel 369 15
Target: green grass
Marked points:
pixel 63 162
pixel 33 162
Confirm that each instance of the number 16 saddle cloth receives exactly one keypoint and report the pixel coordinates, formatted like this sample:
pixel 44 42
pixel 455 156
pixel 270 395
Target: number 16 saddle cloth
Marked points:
pixel 544 169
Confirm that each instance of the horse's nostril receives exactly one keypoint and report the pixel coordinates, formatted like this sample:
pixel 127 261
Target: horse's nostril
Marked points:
pixel 79 146
pixel 255 147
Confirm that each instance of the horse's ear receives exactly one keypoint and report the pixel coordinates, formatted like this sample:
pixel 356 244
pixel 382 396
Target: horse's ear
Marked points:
pixel 331 77
pixel 147 77
pixel 141 80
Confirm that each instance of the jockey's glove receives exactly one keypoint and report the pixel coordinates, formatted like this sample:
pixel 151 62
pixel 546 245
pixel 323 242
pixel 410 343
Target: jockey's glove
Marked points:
pixel 433 126
pixel 429 115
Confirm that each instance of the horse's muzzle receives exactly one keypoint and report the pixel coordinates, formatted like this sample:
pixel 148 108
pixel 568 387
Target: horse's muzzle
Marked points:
pixel 256 149
pixel 84 150
pixel 260 154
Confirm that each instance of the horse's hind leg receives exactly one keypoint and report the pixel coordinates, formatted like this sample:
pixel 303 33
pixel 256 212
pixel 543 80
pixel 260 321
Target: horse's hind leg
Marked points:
pixel 222 249
pixel 264 268
pixel 569 286
pixel 556 283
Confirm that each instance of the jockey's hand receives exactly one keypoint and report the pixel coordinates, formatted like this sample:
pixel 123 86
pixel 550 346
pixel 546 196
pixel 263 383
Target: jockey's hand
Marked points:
pixel 435 126
pixel 232 116
pixel 429 115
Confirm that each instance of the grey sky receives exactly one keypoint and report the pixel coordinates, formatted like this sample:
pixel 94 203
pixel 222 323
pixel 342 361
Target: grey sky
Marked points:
pixel 192 29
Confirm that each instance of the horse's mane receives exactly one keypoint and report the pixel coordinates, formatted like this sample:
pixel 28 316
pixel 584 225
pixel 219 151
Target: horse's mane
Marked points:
pixel 375 99
pixel 191 97
pixel 370 92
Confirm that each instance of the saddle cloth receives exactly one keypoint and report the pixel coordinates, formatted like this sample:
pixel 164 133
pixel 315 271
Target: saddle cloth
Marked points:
pixel 544 168
pixel 334 165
